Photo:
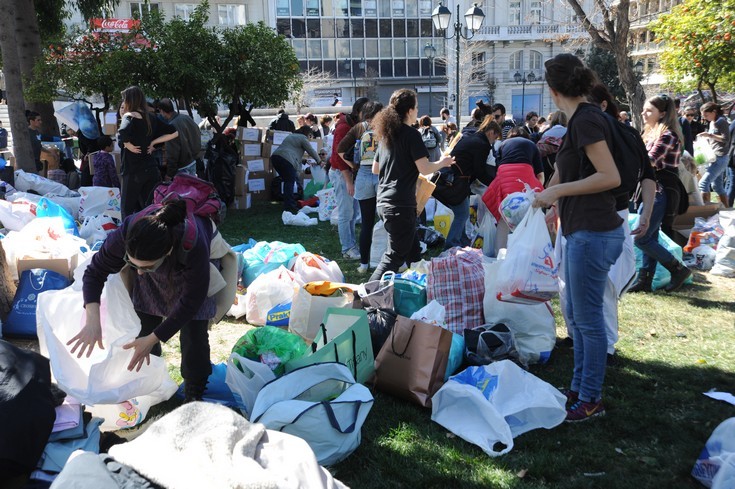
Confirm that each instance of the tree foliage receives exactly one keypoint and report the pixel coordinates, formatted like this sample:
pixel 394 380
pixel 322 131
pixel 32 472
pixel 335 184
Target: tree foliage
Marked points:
pixel 700 45
pixel 603 62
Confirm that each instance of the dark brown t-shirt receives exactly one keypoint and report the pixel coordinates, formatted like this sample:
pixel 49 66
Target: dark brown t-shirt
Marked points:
pixel 592 212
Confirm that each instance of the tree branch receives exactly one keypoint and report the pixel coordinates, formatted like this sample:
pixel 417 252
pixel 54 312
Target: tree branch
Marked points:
pixel 593 31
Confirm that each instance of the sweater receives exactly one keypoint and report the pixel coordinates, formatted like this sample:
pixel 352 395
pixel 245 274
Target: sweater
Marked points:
pixel 292 149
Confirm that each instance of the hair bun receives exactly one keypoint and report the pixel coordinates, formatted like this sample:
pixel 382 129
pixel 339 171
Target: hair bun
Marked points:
pixel 172 213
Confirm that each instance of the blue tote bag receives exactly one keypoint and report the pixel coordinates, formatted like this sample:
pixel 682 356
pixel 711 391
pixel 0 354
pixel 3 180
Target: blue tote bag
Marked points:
pixel 22 318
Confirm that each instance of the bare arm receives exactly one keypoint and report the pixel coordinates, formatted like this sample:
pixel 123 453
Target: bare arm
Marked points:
pixel 426 167
pixel 648 193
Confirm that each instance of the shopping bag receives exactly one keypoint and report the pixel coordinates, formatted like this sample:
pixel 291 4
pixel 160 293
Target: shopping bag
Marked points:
pixel 245 378
pixel 495 403
pixel 344 337
pixel 412 363
pixel 99 200
pixel 319 403
pixel 408 296
pixel 528 275
pixel 267 291
pixel 25 182
pixel 96 228
pixel 381 323
pixel 103 377
pixel 327 203
pixel 21 320
pixel 133 412
pixel 308 310
pixel 532 324
pixel 376 293
pixel 719 448
pixel 264 257
pixel 490 343
pixel 456 281
pixel 15 215
pixel 271 346
pixel 311 268
pixel 49 208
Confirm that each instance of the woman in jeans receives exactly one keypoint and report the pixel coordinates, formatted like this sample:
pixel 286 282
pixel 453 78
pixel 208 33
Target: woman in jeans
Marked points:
pixel 366 182
pixel 718 136
pixel 594 239
pixel 662 135
pixel 401 156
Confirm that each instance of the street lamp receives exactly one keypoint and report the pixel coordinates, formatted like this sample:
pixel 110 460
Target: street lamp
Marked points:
pixel 524 78
pixel 430 53
pixel 348 67
pixel 473 18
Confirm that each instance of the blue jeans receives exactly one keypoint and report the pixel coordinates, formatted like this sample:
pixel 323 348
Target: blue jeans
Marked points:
pixel 587 260
pixel 348 209
pixel 288 173
pixel 190 169
pixel 653 251
pixel 730 186
pixel 713 176
pixel 456 235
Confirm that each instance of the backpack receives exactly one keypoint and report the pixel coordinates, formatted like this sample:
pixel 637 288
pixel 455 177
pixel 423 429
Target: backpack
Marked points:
pixel 429 138
pixel 629 152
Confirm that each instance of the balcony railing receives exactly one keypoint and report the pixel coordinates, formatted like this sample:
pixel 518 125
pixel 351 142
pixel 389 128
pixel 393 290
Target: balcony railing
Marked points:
pixel 528 32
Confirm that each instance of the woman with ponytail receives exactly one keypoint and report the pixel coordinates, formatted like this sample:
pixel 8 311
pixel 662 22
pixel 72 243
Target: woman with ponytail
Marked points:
pixel 582 185
pixel 400 158
pixel 171 280
pixel 140 130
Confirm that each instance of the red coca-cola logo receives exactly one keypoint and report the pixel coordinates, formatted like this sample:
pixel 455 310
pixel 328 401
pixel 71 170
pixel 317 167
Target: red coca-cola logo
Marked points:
pixel 115 24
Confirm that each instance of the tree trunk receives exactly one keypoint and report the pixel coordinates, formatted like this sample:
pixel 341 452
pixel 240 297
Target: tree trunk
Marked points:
pixel 714 92
pixel 28 39
pixel 14 92
pixel 7 286
pixel 632 87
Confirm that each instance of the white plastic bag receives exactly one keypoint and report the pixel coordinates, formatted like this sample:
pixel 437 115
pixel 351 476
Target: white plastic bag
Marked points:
pixel 267 291
pixel 103 377
pixel 71 204
pixel 307 311
pixel 703 152
pixel 725 258
pixel 528 275
pixel 298 219
pixel 99 200
pixel 532 325
pixel 239 306
pixel 15 215
pixel 96 228
pixel 313 268
pixel 485 237
pixel 327 203
pixel 495 403
pixel 245 378
pixel 719 448
pixel 133 412
pixel 380 244
pixel 432 313
pixel 318 174
pixel 515 206
pixel 30 181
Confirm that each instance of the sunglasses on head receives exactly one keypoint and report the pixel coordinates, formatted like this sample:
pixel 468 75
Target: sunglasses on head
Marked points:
pixel 149 269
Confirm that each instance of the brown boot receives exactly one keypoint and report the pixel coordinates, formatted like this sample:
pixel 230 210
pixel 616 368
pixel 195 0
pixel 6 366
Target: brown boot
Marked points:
pixel 679 274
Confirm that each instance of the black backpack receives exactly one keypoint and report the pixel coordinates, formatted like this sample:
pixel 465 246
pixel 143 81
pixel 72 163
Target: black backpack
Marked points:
pixel 629 152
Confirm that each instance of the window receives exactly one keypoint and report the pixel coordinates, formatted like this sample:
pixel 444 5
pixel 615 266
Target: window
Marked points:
pixel 515 62
pixel 343 49
pixel 385 48
pixel 283 27
pixel 385 28
pixel 358 48
pixel 356 8
pixel 536 60
pixel 313 29
pixel 412 8
pixel 514 13
pixel 314 48
pixel 328 48
pixel 386 68
pixel 282 8
pixel 412 48
pixel 425 7
pixel 231 15
pixel 384 6
pixel 534 16
pixel 327 27
pixel 398 7
pixel 137 9
pixel 298 28
pixel 370 8
pixel 371 28
pixel 297 8
pixel 412 28
pixel 299 47
pixel 413 67
pixel 312 8
pixel 184 10
pixel 371 48
pixel 343 28
pixel 399 48
pixel 358 28
pixel 478 67
pixel 399 28
pixel 426 28
pixel 341 8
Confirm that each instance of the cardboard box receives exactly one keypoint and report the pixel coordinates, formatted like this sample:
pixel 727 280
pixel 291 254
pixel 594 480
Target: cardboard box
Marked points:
pixel 276 137
pixel 269 149
pixel 259 165
pixel 52 157
pixel 686 220
pixel 62 266
pixel 240 177
pixel 251 150
pixel 109 127
pixel 424 189
pixel 257 185
pixel 242 202
pixel 250 134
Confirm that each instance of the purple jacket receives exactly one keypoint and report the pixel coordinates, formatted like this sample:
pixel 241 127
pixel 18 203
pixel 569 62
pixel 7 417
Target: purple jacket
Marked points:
pixel 105 174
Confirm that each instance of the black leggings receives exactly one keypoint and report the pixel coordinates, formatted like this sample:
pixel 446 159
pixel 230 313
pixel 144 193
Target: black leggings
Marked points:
pixel 194 339
pixel 367 213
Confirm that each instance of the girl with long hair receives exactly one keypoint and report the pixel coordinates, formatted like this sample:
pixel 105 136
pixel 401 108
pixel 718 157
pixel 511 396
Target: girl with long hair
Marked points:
pixel 140 131
pixel 663 138
pixel 400 158
pixel 582 186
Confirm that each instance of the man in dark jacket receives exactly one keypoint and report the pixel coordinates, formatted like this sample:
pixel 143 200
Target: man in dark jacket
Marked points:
pixel 282 123
pixel 183 151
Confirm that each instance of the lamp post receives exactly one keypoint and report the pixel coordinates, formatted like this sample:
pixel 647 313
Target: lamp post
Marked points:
pixel 348 67
pixel 441 18
pixel 430 53
pixel 524 78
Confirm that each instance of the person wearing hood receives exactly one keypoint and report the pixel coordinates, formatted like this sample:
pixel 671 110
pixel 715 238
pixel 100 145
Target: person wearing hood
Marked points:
pixel 282 123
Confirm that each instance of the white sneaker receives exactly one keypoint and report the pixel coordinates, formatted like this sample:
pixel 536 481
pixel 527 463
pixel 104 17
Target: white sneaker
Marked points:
pixel 351 254
pixel 363 268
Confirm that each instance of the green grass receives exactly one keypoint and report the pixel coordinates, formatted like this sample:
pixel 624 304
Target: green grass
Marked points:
pixel 672 349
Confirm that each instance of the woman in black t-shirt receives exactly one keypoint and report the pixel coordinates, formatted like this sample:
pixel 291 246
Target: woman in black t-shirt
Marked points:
pixel 586 174
pixel 140 130
pixel 401 156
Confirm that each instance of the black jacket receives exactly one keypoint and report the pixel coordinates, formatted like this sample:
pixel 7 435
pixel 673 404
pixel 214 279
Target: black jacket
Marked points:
pixel 471 154
pixel 282 123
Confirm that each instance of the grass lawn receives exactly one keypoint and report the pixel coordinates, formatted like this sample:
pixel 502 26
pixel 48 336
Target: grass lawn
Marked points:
pixel 673 347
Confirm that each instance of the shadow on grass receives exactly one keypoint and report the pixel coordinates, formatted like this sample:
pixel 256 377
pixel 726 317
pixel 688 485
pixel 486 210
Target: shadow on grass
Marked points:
pixel 656 425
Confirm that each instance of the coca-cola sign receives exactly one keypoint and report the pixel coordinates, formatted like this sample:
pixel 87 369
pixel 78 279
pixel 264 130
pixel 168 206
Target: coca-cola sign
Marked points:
pixel 120 25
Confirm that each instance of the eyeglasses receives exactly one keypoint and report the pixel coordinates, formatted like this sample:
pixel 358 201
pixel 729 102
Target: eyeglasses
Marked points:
pixel 149 269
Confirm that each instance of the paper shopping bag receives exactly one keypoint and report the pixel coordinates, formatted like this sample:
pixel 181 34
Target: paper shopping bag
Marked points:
pixel 308 309
pixel 412 362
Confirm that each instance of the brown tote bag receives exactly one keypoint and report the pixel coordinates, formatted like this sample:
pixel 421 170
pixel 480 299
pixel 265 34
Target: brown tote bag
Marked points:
pixel 413 360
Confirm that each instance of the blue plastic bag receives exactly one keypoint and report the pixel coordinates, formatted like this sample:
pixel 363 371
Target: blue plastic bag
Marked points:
pixel 480 378
pixel 22 318
pixel 265 257
pixel 279 315
pixel 217 390
pixel 456 355
pixel 49 208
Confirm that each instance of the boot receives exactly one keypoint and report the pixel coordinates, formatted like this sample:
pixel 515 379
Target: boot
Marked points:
pixel 193 390
pixel 679 273
pixel 642 282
